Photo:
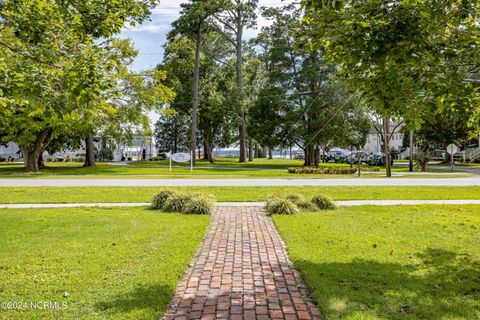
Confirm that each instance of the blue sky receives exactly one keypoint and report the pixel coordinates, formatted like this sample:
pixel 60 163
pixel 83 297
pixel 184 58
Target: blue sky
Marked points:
pixel 151 36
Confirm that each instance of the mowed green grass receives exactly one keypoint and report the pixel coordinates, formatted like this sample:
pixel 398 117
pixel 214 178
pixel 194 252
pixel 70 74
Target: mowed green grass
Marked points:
pixel 116 263
pixel 404 262
pixel 222 168
pixel 234 194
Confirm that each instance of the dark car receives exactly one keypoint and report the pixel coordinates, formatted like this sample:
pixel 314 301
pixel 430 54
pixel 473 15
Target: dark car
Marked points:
pixel 356 156
pixel 378 159
pixel 336 155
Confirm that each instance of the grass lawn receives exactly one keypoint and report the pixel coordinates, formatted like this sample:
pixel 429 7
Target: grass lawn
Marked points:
pixel 222 168
pixel 234 194
pixel 403 262
pixel 116 263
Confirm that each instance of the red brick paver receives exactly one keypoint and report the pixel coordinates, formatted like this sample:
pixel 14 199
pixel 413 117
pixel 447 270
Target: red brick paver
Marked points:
pixel 242 272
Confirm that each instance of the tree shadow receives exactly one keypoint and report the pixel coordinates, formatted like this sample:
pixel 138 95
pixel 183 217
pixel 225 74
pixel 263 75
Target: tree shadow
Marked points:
pixel 144 301
pixel 436 284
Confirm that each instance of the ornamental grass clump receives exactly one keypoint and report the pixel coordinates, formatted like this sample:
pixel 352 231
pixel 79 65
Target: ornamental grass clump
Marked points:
pixel 177 202
pixel 301 202
pixel 323 202
pixel 161 197
pixel 277 205
pixel 200 204
pixel 191 203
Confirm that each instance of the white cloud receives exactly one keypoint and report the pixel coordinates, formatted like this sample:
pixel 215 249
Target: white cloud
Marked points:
pixel 156 28
pixel 150 36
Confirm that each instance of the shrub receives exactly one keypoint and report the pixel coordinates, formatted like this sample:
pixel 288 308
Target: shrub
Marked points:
pixel 2 159
pixel 106 154
pixel 276 205
pixel 322 170
pixel 200 204
pixel 300 202
pixel 323 202
pixel 161 197
pixel 177 202
pixel 58 159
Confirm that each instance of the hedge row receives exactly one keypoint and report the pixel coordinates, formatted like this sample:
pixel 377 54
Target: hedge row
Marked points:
pixel 329 170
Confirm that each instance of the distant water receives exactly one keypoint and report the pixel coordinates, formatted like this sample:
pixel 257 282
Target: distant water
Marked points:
pixel 277 154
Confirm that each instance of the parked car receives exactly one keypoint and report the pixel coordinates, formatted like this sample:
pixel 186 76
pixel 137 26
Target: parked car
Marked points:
pixel 336 155
pixel 355 156
pixel 299 155
pixel 378 159
pixel 459 156
pixel 342 156
pixel 439 154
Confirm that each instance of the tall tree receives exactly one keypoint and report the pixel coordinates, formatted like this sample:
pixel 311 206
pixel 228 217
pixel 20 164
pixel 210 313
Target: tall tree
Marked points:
pixel 399 54
pixel 315 109
pixel 238 16
pixel 42 42
pixel 193 22
pixel 215 114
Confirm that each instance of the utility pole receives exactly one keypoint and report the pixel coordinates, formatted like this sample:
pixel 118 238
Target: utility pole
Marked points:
pixel 410 163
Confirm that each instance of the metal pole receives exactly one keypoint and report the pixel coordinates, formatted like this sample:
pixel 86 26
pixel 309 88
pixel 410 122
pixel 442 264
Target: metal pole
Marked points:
pixel 410 162
pixel 451 156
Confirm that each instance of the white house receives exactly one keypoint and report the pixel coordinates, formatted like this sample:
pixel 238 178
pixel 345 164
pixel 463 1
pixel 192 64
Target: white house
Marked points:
pixel 141 148
pixel 374 139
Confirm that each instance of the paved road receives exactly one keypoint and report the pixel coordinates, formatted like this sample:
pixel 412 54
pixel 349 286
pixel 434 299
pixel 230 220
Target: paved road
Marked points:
pixel 470 181
pixel 239 204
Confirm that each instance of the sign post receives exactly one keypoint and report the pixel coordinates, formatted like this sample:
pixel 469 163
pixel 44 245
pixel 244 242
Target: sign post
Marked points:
pixel 451 149
pixel 182 157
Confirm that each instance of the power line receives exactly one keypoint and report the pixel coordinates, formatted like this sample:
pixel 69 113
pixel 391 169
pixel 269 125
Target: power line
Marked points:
pixel 330 120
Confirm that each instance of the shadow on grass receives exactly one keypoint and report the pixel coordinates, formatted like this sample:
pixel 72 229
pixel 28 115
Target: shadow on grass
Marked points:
pixel 145 301
pixel 436 284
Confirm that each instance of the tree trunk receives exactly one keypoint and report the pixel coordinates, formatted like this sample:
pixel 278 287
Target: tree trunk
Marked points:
pixel 89 152
pixel 270 153
pixel 386 143
pixel 256 151
pixel 311 156
pixel 41 165
pixel 31 155
pixel 250 149
pixel 196 78
pixel 30 160
pixel 239 67
pixel 264 152
pixel 410 161
pixel 209 151
pixel 205 154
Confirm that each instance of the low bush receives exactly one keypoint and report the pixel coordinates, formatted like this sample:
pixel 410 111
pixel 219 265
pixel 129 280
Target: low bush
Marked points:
pixel 190 203
pixel 2 159
pixel 322 170
pixel 301 202
pixel 200 204
pixel 277 205
pixel 331 170
pixel 177 202
pixel 323 202
pixel 161 197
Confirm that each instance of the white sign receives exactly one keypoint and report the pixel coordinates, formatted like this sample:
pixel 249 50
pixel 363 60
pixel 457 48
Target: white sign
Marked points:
pixel 181 157
pixel 451 149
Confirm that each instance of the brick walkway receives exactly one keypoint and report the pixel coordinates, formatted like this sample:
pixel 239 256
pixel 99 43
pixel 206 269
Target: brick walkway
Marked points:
pixel 242 272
